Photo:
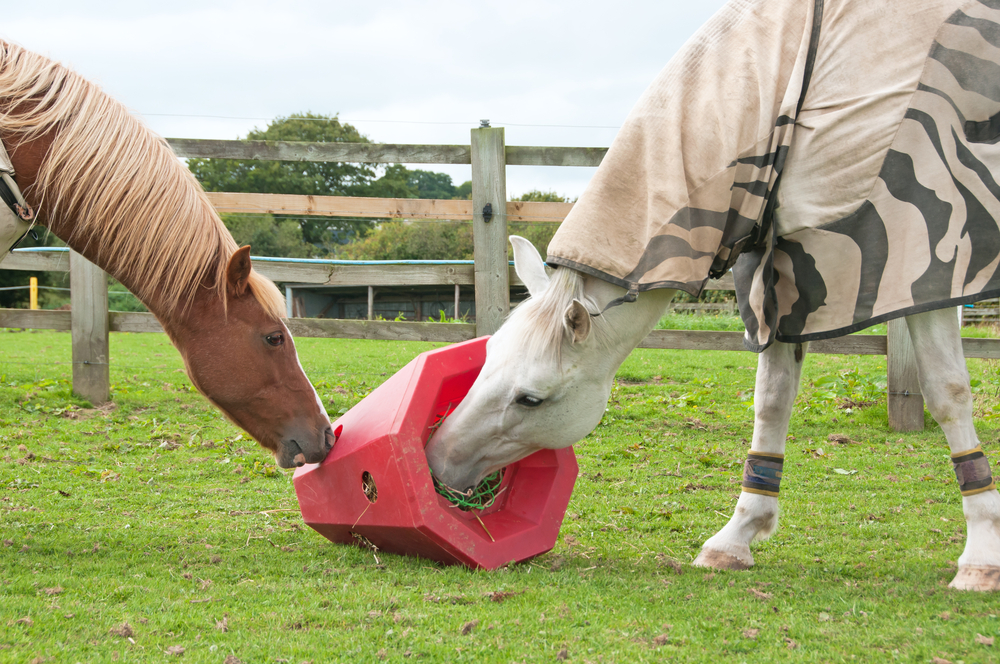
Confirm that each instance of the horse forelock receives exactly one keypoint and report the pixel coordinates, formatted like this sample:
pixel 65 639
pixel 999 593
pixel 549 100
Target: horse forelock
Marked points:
pixel 131 203
pixel 268 295
pixel 540 318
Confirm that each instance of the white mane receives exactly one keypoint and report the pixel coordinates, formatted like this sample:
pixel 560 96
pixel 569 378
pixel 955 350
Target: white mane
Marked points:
pixel 540 318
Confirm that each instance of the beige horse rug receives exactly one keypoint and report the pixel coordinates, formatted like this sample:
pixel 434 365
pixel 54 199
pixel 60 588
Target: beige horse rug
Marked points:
pixel 839 155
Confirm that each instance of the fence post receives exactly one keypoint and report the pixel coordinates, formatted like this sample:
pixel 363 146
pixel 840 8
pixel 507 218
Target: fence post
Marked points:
pixel 89 329
pixel 489 227
pixel 905 402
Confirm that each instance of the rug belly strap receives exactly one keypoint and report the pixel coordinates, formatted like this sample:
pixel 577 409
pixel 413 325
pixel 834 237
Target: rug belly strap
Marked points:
pixel 762 473
pixel 972 470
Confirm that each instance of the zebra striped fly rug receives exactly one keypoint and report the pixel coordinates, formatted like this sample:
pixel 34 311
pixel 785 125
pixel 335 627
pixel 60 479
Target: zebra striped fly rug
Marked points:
pixel 878 119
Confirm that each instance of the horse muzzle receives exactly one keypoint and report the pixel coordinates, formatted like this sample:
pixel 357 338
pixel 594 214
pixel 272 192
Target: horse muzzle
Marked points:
pixel 298 450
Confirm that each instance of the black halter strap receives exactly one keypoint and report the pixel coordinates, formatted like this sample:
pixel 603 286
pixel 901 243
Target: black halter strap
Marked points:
pixel 12 198
pixel 630 296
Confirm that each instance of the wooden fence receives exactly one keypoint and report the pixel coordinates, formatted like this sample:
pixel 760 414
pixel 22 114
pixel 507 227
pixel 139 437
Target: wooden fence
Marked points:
pixel 90 321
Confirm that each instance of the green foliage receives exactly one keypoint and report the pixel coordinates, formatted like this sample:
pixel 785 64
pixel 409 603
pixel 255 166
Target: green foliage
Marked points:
pixel 284 177
pixel 120 299
pixel 400 182
pixel 717 322
pixel 848 389
pixel 399 240
pixel 539 234
pixel 317 235
pixel 302 178
pixel 267 235
pixel 539 196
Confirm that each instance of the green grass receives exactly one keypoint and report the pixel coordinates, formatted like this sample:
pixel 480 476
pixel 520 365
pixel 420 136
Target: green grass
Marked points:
pixel 159 514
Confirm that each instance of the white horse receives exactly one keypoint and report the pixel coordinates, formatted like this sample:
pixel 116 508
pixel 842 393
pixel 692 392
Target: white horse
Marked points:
pixel 887 207
pixel 549 372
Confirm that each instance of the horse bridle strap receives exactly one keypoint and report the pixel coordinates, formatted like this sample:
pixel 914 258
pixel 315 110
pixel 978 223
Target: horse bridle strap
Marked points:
pixel 11 195
pixel 630 296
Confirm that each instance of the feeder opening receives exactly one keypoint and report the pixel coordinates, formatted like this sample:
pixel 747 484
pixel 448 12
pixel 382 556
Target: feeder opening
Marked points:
pixel 477 498
pixel 368 486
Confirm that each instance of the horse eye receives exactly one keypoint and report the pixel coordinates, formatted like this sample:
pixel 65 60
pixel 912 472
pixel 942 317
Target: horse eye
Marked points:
pixel 275 339
pixel 529 401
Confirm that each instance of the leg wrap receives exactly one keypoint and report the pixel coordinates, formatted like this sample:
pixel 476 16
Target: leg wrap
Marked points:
pixel 762 473
pixel 972 469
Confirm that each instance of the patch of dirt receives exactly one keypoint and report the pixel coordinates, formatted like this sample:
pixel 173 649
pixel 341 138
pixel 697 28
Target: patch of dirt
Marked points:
pixel 449 599
pixel 702 487
pixel 851 404
pixel 502 596
pixel 124 630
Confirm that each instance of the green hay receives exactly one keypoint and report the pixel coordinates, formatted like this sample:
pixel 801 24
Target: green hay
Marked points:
pixel 479 498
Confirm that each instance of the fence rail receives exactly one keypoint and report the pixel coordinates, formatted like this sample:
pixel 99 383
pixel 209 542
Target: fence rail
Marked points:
pixel 380 153
pixel 490 273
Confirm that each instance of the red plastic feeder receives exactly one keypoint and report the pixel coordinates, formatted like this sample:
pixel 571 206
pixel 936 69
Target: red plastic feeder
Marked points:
pixel 376 483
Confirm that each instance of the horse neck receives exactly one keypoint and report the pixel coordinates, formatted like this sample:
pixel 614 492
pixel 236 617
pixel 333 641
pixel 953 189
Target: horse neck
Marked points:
pixel 624 325
pixel 27 158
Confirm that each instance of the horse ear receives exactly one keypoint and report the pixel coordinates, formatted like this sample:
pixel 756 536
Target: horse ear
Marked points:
pixel 238 272
pixel 528 265
pixel 577 322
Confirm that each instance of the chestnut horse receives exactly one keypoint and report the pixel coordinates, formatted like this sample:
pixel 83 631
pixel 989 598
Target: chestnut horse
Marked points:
pixel 114 191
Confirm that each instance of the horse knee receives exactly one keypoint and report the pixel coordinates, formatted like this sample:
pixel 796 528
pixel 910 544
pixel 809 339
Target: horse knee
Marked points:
pixel 950 401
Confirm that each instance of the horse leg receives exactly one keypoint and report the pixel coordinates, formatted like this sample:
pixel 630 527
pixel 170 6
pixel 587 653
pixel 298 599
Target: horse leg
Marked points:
pixel 778 371
pixel 944 382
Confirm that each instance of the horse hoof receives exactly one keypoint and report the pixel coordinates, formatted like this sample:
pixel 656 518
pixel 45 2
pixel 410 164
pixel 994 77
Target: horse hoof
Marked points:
pixel 983 579
pixel 719 560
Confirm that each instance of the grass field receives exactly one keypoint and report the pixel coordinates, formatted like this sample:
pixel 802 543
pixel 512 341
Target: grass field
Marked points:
pixel 152 530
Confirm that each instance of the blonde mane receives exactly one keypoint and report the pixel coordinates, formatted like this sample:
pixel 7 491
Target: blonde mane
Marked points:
pixel 131 202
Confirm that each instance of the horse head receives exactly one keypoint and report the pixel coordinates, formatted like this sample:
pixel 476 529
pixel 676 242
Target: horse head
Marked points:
pixel 241 357
pixel 548 372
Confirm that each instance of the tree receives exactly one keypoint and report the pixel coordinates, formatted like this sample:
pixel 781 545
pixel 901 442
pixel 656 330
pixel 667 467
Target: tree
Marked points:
pixel 539 196
pixel 400 182
pixel 539 233
pixel 433 240
pixel 268 236
pixel 303 178
pixel 319 235
pixel 400 241
pixel 431 184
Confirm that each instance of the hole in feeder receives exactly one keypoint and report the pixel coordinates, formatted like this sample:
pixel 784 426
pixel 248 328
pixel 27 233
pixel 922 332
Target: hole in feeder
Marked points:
pixel 368 486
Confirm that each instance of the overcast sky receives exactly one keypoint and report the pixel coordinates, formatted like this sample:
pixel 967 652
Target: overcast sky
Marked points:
pixel 552 73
